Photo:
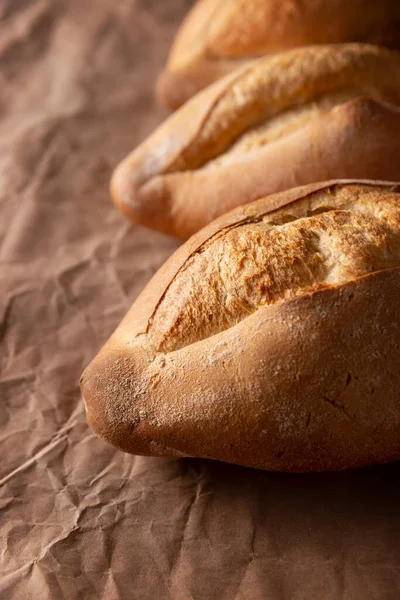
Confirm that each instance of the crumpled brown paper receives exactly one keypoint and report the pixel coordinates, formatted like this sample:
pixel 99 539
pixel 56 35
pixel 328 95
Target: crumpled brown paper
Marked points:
pixel 80 520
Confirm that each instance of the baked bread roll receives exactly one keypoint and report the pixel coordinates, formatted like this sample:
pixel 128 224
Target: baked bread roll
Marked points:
pixel 311 114
pixel 218 36
pixel 270 339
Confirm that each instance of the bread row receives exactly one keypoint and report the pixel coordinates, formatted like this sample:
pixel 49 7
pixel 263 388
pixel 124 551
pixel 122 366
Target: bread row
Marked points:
pixel 271 338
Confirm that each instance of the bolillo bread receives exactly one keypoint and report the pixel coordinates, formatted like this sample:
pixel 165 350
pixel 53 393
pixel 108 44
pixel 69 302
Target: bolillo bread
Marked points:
pixel 270 339
pixel 217 36
pixel 307 115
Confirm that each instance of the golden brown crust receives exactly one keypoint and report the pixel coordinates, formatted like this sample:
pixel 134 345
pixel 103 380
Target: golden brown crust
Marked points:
pixel 328 239
pixel 306 383
pixel 268 88
pixel 219 35
pixel 306 115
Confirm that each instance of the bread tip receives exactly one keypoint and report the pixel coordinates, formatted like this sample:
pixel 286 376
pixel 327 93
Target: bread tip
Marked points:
pixel 124 193
pixel 163 93
pixel 174 89
pixel 87 395
pixel 95 394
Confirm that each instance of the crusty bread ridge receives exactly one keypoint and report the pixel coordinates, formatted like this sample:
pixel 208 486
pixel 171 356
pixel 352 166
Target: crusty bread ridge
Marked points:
pixel 217 36
pixel 270 339
pixel 310 114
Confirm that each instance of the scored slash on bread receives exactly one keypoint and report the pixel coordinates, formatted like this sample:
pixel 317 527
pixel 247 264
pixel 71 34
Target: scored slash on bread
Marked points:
pixel 217 36
pixel 270 339
pixel 306 115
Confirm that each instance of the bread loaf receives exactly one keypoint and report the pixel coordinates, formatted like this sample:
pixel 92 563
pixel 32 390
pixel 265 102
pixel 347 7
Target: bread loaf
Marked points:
pixel 217 36
pixel 270 339
pixel 307 115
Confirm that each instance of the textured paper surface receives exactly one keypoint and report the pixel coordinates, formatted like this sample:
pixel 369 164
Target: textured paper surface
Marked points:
pixel 78 519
